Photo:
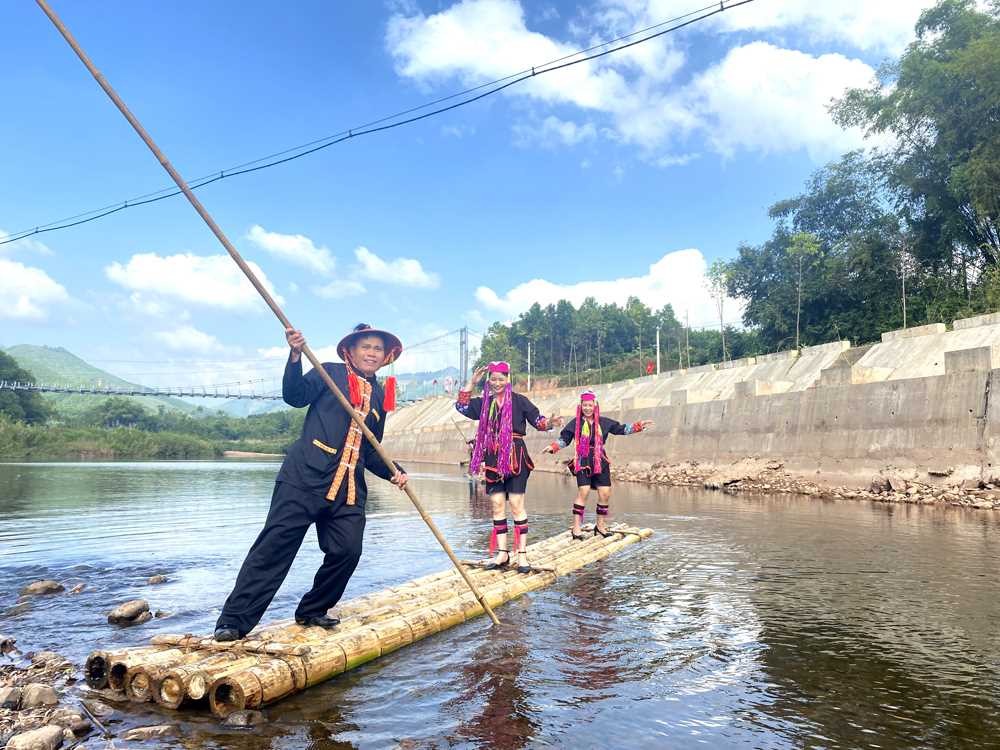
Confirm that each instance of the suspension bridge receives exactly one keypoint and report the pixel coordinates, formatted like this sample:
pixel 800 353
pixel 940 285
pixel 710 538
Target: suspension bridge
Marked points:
pixel 123 390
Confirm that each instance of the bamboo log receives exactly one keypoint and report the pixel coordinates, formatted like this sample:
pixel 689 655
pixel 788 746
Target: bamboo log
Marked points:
pixel 248 646
pixel 97 669
pixel 268 682
pixel 284 658
pixel 124 661
pixel 192 681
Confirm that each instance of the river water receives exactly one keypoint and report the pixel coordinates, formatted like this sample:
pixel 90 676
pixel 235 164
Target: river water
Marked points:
pixel 746 622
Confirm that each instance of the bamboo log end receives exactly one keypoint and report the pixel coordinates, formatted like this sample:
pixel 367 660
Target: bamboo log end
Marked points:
pixel 117 675
pixel 96 670
pixel 171 691
pixel 141 684
pixel 229 694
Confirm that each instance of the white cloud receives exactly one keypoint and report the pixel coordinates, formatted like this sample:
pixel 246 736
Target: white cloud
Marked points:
pixel 27 244
pixel 399 272
pixel 150 305
pixel 765 98
pixel 212 280
pixel 759 97
pixel 339 288
pixel 295 248
pixel 675 160
pixel 325 352
pixel 480 40
pixel 677 279
pixel 553 131
pixel 188 338
pixel 27 292
pixel 457 131
pixel 884 26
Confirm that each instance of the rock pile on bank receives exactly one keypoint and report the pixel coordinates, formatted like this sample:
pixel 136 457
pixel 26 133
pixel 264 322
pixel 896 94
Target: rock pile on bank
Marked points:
pixel 31 716
pixel 755 475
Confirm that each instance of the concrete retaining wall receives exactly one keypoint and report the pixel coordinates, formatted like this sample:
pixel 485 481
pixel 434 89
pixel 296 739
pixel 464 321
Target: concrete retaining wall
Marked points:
pixel 834 411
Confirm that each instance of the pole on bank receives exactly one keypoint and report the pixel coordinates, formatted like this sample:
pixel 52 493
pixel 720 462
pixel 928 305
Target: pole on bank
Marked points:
pixel 248 272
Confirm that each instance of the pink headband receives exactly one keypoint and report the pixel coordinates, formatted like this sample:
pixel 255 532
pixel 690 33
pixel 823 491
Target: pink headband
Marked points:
pixel 501 367
pixel 588 396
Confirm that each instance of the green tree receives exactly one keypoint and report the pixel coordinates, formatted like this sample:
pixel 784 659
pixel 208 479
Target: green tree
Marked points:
pixel 849 273
pixel 497 346
pixel 117 412
pixel 716 280
pixel 21 406
pixel 941 104
pixel 802 248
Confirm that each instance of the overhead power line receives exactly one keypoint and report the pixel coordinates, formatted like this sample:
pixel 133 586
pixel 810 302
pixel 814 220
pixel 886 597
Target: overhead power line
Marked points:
pixel 392 121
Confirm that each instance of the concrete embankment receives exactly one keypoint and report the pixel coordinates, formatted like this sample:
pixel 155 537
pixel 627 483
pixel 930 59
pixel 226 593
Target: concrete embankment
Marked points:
pixel 915 407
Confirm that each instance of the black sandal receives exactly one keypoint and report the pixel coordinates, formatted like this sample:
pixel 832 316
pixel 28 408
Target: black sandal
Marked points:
pixel 523 568
pixel 493 564
pixel 578 537
pixel 605 534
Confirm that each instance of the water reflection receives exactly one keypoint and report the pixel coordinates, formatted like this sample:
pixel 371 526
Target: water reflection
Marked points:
pixel 494 701
pixel 745 622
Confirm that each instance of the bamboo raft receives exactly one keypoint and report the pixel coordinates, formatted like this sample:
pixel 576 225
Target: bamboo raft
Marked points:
pixel 283 658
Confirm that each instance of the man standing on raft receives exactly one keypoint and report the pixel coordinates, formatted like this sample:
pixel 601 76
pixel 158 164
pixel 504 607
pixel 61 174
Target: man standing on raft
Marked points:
pixel 321 481
pixel 591 465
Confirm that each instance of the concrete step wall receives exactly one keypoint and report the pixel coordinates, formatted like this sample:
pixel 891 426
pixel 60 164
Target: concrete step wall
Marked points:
pixel 919 398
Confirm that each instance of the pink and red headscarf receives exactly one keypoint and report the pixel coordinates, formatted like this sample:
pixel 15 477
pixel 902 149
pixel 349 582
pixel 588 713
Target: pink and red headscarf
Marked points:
pixel 501 432
pixel 583 441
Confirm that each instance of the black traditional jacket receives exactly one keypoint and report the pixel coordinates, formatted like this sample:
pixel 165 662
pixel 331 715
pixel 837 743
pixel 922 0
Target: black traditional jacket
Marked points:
pixel 315 456
pixel 522 412
pixel 608 427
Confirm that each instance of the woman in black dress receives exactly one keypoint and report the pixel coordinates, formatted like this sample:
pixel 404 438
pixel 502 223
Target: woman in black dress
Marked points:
pixel 500 452
pixel 591 465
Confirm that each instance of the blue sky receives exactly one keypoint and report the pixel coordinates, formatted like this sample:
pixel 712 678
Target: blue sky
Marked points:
pixel 620 177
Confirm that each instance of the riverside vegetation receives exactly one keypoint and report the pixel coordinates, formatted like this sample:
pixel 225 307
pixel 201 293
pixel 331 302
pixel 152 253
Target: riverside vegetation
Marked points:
pixel 119 428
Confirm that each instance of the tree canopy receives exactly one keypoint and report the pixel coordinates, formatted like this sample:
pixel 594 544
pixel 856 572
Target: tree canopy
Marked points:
pixel 20 406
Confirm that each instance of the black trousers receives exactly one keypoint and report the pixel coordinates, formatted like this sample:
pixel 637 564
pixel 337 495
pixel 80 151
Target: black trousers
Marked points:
pixel 339 529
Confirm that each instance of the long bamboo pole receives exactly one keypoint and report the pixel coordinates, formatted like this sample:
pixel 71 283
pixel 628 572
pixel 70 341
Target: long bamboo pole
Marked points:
pixel 248 272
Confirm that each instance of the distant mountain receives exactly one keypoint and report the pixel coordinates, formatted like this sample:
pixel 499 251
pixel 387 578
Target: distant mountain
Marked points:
pixel 243 407
pixel 417 385
pixel 57 366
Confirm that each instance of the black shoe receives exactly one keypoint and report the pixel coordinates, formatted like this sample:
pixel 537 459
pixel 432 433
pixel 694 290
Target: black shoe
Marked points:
pixel 493 565
pixel 605 534
pixel 578 537
pixel 523 568
pixel 321 621
pixel 226 634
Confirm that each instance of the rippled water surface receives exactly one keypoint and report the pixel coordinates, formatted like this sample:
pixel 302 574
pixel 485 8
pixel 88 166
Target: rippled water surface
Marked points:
pixel 744 622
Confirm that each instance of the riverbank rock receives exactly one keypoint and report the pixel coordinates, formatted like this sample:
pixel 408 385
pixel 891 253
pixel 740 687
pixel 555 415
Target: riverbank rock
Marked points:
pixel 10 698
pixel 245 719
pixel 747 469
pixel 7 645
pixel 148 733
pixel 134 612
pixel 40 588
pixel 45 738
pixel 155 580
pixel 36 694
